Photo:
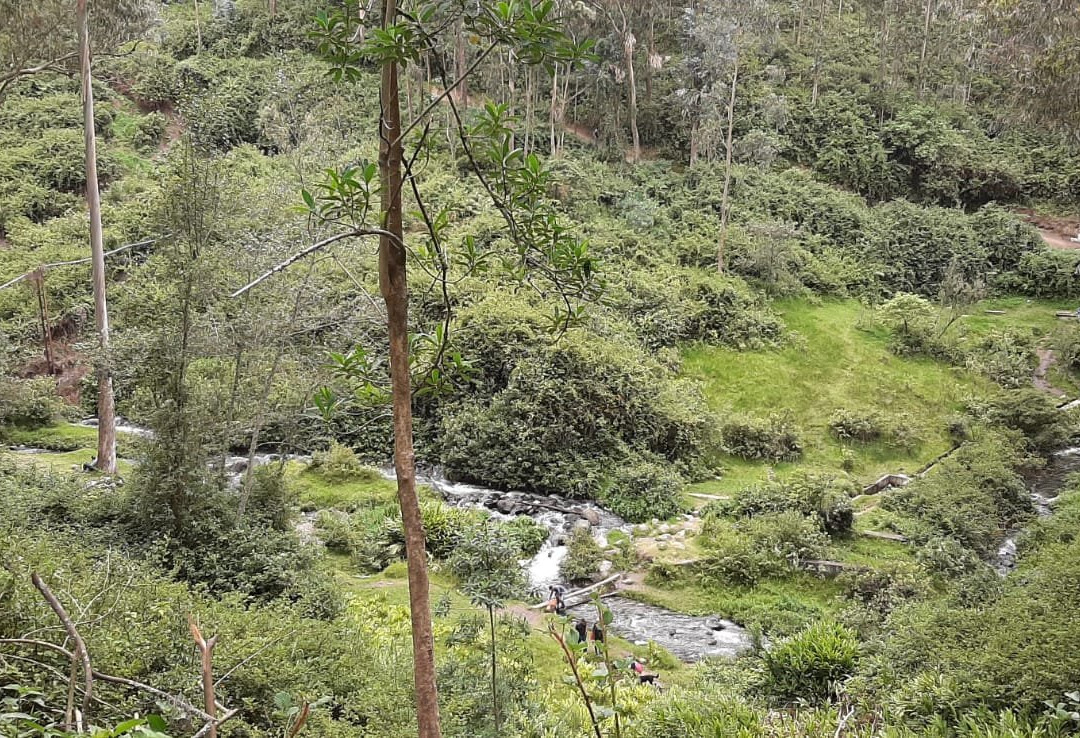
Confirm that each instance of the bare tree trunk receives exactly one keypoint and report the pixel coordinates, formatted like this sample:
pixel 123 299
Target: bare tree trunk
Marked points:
pixel 925 42
pixel 553 117
pixel 273 8
pixel 198 29
pixel 727 171
pixel 460 65
pixel 206 660
pixel 494 683
pixel 394 288
pixel 106 452
pixel 694 143
pixel 628 51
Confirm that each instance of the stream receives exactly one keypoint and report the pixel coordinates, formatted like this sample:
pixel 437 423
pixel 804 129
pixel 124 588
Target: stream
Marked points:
pixel 1044 491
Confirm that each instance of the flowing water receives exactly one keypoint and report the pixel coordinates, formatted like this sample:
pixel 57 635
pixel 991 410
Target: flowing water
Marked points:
pixel 685 636
pixel 1044 493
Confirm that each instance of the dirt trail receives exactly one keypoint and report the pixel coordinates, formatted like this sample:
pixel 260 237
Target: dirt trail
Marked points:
pixel 1046 360
pixel 1056 232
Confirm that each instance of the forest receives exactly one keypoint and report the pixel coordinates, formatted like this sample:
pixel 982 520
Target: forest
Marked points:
pixel 540 368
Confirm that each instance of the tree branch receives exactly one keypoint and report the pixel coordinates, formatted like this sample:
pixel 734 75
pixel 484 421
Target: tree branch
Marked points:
pixel 80 646
pixel 311 250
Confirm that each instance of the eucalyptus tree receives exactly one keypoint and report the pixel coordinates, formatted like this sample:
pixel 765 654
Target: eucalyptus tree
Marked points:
pixel 717 36
pixel 39 37
pixel 1037 42
pixel 366 200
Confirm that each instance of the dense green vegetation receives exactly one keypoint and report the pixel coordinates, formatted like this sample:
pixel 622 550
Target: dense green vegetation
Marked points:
pixel 882 308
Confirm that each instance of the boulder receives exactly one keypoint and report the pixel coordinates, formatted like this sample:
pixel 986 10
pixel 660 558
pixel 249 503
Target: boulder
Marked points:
pixel 506 506
pixel 591 515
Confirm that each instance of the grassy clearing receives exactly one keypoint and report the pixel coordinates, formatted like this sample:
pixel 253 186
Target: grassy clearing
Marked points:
pixel 66 462
pixel 364 490
pixel 836 360
pixel 66 437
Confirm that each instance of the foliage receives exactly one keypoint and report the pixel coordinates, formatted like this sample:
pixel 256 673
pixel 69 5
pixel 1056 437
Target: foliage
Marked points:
pixel 1029 411
pixel 643 490
pixel 774 438
pixel 29 403
pixel 583 556
pixel 971 496
pixel 760 547
pixel 811 666
pixel 824 496
pixel 338 464
pixel 591 405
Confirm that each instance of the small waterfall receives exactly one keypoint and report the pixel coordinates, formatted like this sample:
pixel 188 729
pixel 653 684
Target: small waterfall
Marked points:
pixel 1043 495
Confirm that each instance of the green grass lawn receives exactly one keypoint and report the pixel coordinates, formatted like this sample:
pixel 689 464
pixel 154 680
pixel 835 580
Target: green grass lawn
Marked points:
pixel 835 360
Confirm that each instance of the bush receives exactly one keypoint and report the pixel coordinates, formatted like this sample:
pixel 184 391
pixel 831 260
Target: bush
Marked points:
pixel 526 534
pixel 29 403
pixel 811 666
pixel 149 131
pixel 1006 357
pixel 884 588
pixel 641 491
pixel 583 557
pixel 812 494
pixel 862 427
pixel 589 404
pixel 338 464
pixel 764 546
pixel 771 439
pixel 1032 413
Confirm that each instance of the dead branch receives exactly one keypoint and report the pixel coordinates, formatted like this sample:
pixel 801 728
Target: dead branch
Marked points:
pixel 206 651
pixel 80 646
pixel 76 262
pixel 356 232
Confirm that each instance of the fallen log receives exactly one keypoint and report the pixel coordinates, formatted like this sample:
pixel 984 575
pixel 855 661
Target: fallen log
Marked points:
pixel 579 592
pixel 884 536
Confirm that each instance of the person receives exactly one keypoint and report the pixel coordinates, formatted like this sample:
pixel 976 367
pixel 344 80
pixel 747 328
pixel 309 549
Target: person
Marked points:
pixel 582 629
pixel 555 599
pixel 598 638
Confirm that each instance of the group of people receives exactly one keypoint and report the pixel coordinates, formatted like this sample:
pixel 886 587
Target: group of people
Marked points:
pixel 556 603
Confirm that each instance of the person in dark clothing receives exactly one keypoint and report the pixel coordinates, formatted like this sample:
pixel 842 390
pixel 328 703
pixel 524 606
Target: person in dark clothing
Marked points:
pixel 582 630
pixel 598 638
pixel 638 668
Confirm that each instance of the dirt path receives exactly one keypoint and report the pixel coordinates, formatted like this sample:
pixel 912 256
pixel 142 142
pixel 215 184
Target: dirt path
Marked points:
pixel 1046 360
pixel 1056 232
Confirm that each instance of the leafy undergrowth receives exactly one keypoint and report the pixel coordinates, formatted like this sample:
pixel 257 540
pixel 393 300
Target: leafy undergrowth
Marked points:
pixel 833 363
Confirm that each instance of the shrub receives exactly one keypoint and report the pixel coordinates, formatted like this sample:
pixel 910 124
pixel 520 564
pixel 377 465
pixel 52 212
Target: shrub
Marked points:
pixel 767 545
pixel 812 665
pixel 812 494
pixel 583 557
pixel 526 534
pixel 643 490
pixel 863 427
pixel 884 588
pixel 272 501
pixel 590 404
pixel 30 403
pixel 1032 413
pixel 771 439
pixel 338 464
pixel 1006 357
pixel 149 131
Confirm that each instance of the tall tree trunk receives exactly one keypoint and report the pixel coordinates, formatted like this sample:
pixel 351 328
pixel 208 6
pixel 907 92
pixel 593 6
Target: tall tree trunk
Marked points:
pixel 198 29
pixel 106 452
pixel 460 65
pixel 727 171
pixel 553 117
pixel 628 52
pixel 494 683
pixel 694 145
pixel 394 288
pixel 925 43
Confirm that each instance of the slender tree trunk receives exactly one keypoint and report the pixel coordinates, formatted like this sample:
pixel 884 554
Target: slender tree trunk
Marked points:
pixel 106 454
pixel 494 687
pixel 694 135
pixel 460 65
pixel 553 118
pixel 628 52
pixel 925 42
pixel 198 29
pixel 394 288
pixel 727 171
